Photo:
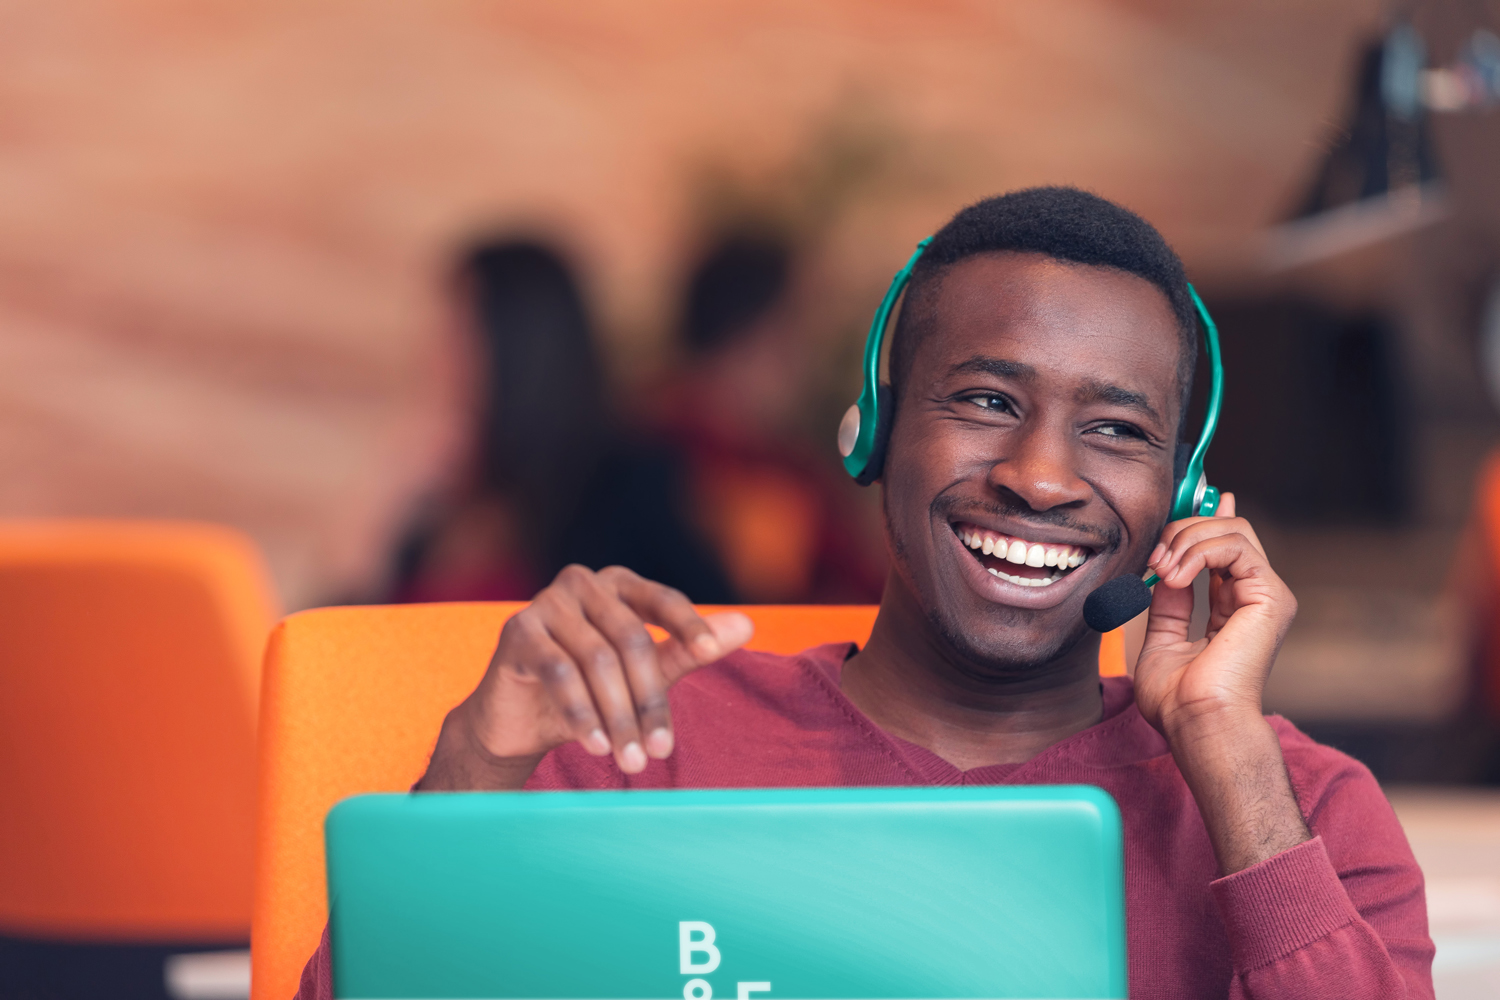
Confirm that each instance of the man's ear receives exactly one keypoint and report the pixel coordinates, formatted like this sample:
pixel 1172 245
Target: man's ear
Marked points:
pixel 1180 460
pixel 885 406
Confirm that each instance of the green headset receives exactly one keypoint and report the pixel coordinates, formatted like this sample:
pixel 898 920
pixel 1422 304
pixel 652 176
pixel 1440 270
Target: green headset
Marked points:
pixel 867 425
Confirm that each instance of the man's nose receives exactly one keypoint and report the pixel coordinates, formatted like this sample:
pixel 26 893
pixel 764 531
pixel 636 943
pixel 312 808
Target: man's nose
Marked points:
pixel 1040 469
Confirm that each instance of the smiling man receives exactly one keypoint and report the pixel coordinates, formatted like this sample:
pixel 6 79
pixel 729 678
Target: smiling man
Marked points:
pixel 1040 369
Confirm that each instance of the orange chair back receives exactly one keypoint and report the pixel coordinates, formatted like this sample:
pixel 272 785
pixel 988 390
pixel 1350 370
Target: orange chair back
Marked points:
pixel 129 675
pixel 352 703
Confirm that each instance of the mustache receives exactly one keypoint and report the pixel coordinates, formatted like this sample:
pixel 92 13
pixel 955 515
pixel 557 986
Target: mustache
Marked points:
pixel 952 509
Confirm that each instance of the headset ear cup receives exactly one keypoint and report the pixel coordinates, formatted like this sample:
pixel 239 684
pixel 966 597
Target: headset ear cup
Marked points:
pixel 1180 460
pixel 885 406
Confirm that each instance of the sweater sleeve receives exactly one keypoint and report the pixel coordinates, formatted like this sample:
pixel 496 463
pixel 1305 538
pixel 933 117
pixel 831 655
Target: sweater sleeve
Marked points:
pixel 317 974
pixel 1343 914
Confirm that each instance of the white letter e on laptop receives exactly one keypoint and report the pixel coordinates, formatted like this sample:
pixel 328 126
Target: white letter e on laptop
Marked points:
pixel 688 946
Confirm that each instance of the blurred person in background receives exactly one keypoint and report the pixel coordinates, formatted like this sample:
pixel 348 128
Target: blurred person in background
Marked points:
pixel 779 515
pixel 551 480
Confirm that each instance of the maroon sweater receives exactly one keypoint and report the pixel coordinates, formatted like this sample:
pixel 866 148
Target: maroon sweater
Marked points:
pixel 1342 915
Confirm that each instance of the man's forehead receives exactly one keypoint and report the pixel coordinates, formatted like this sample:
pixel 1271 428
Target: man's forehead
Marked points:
pixel 1015 315
pixel 1012 286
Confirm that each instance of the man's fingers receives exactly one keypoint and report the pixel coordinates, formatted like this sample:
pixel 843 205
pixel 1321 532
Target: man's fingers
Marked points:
pixel 546 661
pixel 1171 615
pixel 585 638
pixel 731 630
pixel 1232 554
pixel 696 640
pixel 1227 509
pixel 1180 536
pixel 664 606
pixel 595 657
pixel 637 652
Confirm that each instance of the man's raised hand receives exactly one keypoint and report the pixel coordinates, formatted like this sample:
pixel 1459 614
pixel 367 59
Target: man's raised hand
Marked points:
pixel 579 664
pixel 1250 610
pixel 1205 696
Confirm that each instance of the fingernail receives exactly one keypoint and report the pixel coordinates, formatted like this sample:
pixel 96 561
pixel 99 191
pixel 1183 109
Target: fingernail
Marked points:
pixel 1156 554
pixel 659 743
pixel 596 743
pixel 632 758
pixel 706 645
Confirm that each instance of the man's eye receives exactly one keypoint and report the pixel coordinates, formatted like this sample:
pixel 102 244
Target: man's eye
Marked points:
pixel 1117 430
pixel 993 402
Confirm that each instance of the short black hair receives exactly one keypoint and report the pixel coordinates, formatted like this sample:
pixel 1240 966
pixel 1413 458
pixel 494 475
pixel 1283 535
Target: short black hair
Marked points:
pixel 1063 223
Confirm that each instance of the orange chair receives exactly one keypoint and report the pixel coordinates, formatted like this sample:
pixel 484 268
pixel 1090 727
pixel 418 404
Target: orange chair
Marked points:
pixel 129 679
pixel 352 703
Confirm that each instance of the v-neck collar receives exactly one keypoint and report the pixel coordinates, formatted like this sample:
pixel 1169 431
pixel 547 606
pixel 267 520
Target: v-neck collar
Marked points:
pixel 1120 737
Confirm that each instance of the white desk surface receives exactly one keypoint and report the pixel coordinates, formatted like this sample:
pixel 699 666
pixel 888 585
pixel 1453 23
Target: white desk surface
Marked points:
pixel 1455 834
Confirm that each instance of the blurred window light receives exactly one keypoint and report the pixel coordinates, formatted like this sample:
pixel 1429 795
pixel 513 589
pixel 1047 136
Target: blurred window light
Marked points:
pixel 1471 83
pixel 1444 89
pixel 208 975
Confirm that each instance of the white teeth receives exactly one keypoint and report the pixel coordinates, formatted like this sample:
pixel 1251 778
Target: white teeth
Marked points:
pixel 1061 557
pixel 1027 581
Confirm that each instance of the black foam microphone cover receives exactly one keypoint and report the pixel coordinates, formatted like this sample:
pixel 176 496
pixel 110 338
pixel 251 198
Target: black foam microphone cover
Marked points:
pixel 1115 603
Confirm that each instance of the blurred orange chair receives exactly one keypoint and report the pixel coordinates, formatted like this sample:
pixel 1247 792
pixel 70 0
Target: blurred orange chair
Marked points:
pixel 1475 581
pixel 352 703
pixel 129 677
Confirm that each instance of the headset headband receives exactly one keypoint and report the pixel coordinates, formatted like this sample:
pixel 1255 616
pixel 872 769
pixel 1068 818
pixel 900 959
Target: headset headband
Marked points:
pixel 865 426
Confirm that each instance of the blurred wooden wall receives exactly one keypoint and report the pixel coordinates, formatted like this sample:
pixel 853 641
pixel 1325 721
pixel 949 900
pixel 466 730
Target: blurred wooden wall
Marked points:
pixel 224 227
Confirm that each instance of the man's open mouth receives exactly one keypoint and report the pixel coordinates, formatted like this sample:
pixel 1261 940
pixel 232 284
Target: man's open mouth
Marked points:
pixel 1019 561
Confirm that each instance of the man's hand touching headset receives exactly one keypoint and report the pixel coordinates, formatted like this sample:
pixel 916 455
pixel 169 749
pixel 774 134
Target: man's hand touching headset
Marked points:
pixel 1204 696
pixel 1250 610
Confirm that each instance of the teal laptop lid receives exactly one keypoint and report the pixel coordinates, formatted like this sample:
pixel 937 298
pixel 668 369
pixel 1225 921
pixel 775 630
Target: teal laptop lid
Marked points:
pixel 791 894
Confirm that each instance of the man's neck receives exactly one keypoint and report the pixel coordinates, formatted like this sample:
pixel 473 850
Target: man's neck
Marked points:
pixel 910 687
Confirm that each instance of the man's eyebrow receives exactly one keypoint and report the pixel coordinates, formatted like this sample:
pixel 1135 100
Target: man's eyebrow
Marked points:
pixel 982 364
pixel 1105 392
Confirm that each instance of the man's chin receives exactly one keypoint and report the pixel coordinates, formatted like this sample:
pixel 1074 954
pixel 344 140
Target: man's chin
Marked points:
pixel 1004 652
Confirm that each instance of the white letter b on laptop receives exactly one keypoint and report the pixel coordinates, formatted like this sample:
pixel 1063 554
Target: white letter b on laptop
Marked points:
pixel 688 946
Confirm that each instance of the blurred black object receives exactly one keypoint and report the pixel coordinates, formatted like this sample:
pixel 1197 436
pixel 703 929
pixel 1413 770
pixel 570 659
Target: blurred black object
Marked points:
pixel 53 970
pixel 551 457
pixel 737 281
pixel 1383 147
pixel 1115 603
pixel 1462 751
pixel 1311 428
pixel 544 424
